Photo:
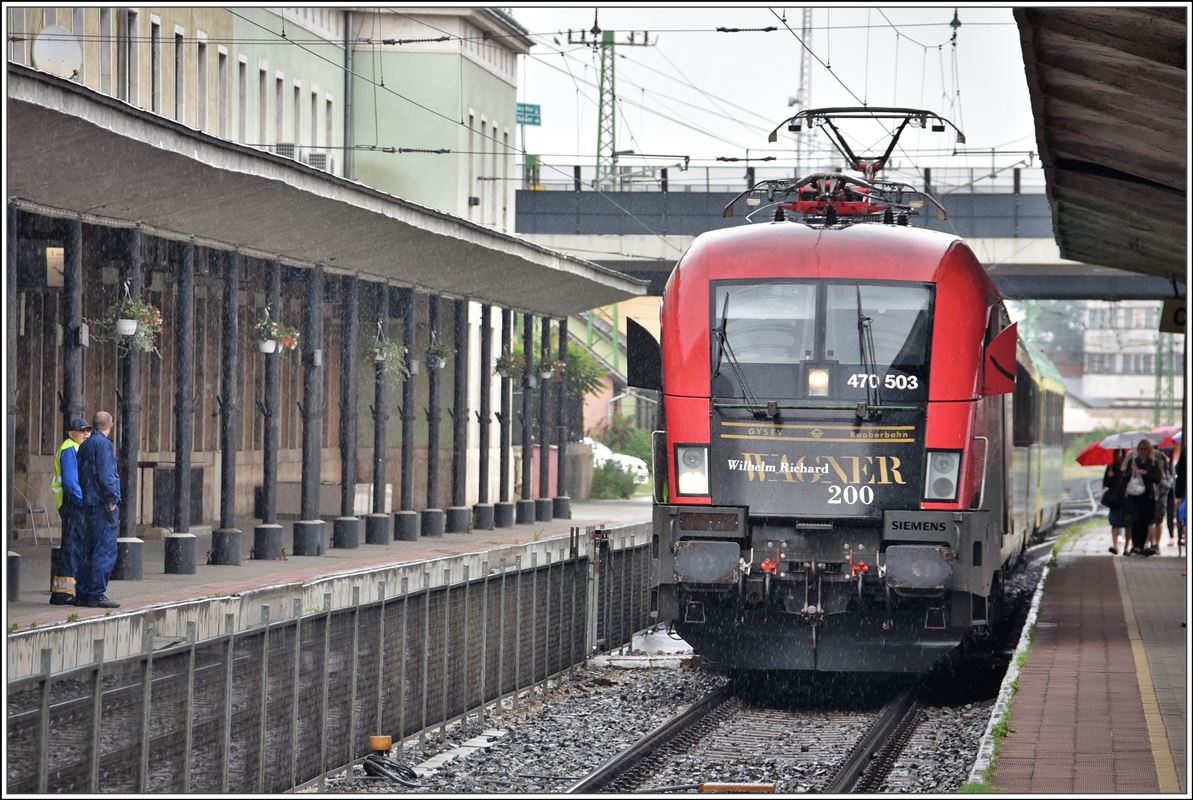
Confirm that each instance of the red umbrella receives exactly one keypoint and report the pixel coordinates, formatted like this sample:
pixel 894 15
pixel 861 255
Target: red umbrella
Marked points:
pixel 1164 436
pixel 1095 455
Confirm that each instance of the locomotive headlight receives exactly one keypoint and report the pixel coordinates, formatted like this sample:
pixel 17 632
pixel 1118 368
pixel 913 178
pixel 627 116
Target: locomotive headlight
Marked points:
pixel 691 469
pixel 818 383
pixel 941 480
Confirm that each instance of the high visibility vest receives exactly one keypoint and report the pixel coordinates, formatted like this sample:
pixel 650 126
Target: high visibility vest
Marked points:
pixel 56 482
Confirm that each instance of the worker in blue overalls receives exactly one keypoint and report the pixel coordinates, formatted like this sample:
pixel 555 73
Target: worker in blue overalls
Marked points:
pixel 68 498
pixel 101 503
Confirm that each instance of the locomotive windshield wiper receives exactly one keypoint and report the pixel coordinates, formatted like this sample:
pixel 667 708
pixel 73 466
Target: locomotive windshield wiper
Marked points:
pixel 865 343
pixel 726 349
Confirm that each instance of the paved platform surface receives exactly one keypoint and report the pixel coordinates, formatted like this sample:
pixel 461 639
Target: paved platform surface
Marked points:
pixel 209 580
pixel 1102 704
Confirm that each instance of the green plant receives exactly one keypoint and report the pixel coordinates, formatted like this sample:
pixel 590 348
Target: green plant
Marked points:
pixel 13 628
pixel 148 319
pixel 585 375
pixel 611 482
pixel 267 330
pixel 72 617
pixel 393 355
pixel 510 365
pixel 622 437
pixel 437 354
pixel 32 625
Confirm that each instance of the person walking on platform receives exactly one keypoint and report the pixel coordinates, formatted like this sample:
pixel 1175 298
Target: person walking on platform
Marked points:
pixel 68 498
pixel 1179 492
pixel 1163 501
pixel 101 503
pixel 1113 486
pixel 1142 472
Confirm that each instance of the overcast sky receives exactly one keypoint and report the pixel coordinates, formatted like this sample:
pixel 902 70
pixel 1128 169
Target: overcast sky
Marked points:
pixel 705 94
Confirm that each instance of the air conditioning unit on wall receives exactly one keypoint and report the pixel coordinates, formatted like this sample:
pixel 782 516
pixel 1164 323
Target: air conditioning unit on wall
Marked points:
pixel 322 161
pixel 287 149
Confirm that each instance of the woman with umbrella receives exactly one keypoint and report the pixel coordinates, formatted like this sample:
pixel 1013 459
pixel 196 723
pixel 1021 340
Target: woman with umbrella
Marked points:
pixel 1113 485
pixel 1143 475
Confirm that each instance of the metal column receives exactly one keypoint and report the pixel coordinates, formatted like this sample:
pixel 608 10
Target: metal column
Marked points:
pixel 544 507
pixel 377 524
pixel 72 320
pixel 346 529
pixel 562 502
pixel 406 521
pixel 12 581
pixel 308 531
pixel 267 537
pixel 503 512
pixel 432 516
pixel 526 509
pixel 129 554
pixel 184 389
pixel 459 515
pixel 483 509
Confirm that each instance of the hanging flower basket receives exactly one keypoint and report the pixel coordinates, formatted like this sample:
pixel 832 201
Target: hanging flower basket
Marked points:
pixel 509 365
pixel 272 337
pixel 133 325
pixel 555 369
pixel 392 357
pixel 437 355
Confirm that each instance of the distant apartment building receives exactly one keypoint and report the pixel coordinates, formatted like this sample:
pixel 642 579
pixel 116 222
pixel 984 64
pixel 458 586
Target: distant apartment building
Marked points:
pixel 428 115
pixel 1132 375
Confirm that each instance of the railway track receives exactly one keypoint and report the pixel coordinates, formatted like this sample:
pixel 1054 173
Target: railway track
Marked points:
pixel 1080 508
pixel 723 744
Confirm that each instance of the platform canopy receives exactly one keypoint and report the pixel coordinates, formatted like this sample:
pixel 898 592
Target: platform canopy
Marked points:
pixel 1109 94
pixel 75 152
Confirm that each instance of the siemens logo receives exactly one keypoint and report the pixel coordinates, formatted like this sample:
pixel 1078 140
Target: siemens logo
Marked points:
pixel 907 525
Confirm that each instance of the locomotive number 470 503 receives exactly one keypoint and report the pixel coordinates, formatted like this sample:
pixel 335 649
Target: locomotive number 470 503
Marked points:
pixel 861 380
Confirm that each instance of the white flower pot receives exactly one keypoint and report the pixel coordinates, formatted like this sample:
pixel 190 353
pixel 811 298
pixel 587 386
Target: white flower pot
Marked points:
pixel 267 345
pixel 545 374
pixel 436 363
pixel 126 327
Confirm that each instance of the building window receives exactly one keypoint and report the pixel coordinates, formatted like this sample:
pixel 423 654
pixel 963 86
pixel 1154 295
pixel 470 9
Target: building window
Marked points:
pixel 297 133
pixel 242 101
pixel 50 17
pixel 328 116
pixel 222 87
pixel 105 50
pixel 179 75
pixel 201 86
pixel 155 66
pixel 262 106
pixel 17 43
pixel 505 192
pixel 314 119
pixel 279 100
pixel 132 78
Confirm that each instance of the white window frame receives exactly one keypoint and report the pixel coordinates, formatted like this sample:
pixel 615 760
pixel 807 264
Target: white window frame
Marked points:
pixel 221 82
pixel 263 104
pixel 179 39
pixel 105 50
pixel 279 99
pixel 155 64
pixel 297 111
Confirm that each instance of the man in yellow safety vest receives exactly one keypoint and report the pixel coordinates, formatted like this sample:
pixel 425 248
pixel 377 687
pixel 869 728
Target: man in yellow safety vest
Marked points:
pixel 68 497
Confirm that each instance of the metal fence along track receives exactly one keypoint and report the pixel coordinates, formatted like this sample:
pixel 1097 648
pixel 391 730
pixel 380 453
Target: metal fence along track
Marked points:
pixel 281 704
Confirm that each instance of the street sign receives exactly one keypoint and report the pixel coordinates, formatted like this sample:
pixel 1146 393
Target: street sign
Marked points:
pixel 528 114
pixel 1173 318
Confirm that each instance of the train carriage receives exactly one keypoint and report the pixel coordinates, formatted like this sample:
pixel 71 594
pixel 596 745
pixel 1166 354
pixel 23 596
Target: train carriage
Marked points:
pixel 854 450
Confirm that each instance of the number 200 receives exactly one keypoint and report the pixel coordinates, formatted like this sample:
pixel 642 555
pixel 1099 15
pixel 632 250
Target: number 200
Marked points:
pixel 850 495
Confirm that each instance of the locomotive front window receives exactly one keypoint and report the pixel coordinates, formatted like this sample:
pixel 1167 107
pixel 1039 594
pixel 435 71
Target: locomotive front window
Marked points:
pixel 836 340
pixel 898 318
pixel 768 323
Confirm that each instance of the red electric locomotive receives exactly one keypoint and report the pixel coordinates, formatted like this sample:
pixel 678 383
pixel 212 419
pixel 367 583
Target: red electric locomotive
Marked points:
pixel 847 466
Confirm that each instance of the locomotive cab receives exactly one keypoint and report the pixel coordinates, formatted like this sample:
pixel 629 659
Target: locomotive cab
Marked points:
pixel 833 491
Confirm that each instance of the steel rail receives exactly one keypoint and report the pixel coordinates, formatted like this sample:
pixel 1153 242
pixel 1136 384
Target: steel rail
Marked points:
pixel 660 736
pixel 872 743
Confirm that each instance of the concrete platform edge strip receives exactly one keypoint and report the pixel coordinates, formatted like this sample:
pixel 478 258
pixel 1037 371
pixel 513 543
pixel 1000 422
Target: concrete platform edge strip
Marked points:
pixel 124 631
pixel 1157 733
pixel 985 757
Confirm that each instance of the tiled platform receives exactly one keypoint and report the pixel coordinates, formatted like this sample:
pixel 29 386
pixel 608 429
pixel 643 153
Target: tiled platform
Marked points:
pixel 158 588
pixel 1102 705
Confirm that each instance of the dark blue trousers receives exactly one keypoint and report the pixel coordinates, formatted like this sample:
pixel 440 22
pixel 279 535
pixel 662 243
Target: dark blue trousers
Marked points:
pixel 70 554
pixel 97 555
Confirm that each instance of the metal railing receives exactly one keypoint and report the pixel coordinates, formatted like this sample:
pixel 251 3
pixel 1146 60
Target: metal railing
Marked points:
pixel 280 705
